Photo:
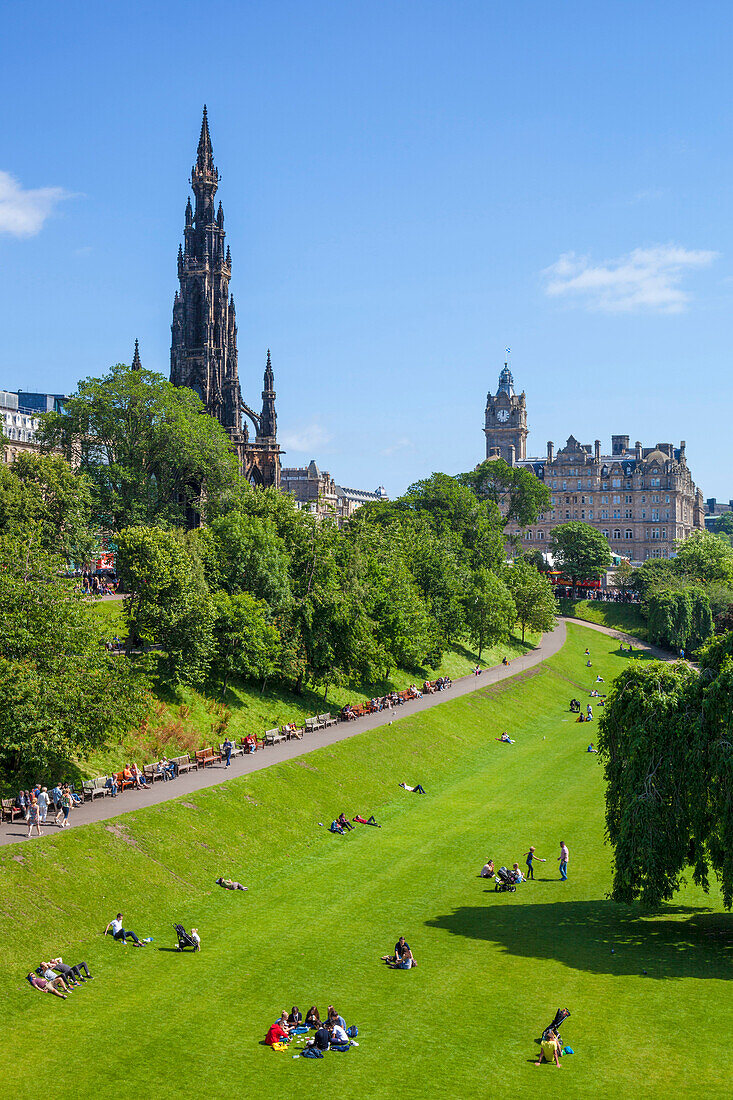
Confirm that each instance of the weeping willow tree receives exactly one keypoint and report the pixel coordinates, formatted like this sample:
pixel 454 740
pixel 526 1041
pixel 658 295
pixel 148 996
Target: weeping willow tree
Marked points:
pixel 666 740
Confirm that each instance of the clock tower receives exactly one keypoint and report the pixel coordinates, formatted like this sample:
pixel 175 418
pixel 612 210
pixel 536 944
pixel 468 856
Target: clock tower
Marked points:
pixel 506 421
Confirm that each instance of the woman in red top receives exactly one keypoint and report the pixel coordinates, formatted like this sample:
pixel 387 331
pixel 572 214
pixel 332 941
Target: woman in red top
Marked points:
pixel 276 1034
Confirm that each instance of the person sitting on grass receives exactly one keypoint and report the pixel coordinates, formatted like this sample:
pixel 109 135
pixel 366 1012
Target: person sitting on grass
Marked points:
pixel 518 876
pixel 338 1036
pixel 580 718
pixel 419 789
pixel 45 986
pixel 334 827
pixel 400 948
pixel 313 1017
pixel 119 933
pixel 591 748
pixel 365 821
pixel 600 680
pixel 507 740
pixel 550 1049
pixel 295 1017
pixel 230 884
pixel 344 821
pixel 487 871
pixel 406 962
pixel 277 1034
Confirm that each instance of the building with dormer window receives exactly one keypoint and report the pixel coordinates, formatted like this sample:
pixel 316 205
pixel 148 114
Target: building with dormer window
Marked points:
pixel 642 499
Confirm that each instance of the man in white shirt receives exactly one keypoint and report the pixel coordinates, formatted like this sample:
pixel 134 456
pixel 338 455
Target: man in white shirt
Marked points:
pixel 338 1035
pixel 563 860
pixel 43 801
pixel 119 932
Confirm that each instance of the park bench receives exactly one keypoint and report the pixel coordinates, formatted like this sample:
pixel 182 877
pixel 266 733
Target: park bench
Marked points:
pixel 94 788
pixel 184 763
pixel 207 756
pixel 10 811
pixel 312 724
pixel 237 750
pixel 326 720
pixel 272 737
pixel 151 773
pixel 290 731
pixel 122 783
pixel 259 744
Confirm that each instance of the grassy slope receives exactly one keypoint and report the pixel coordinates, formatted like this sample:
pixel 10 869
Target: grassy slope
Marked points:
pixel 321 909
pixel 189 720
pixel 619 616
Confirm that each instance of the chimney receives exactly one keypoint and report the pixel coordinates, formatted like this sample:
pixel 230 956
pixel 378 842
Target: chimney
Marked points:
pixel 598 450
pixel 637 448
pixel 619 444
pixel 682 448
pixel 511 454
pixel 550 450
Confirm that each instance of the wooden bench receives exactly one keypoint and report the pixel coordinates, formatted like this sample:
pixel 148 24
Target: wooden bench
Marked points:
pixel 10 811
pixel 311 725
pixel 93 788
pixel 272 737
pixel 291 731
pixel 207 756
pixel 326 720
pixel 122 783
pixel 258 744
pixel 151 773
pixel 237 750
pixel 184 763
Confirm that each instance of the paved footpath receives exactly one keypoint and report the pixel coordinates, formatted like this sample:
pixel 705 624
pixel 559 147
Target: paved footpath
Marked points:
pixel 104 808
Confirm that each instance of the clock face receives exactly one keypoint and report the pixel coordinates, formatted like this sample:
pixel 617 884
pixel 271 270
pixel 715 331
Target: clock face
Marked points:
pixel 502 415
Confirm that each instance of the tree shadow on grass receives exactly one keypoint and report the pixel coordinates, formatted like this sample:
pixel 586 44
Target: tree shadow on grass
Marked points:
pixel 602 937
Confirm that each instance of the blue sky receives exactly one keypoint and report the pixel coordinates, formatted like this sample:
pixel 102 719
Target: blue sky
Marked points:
pixel 409 188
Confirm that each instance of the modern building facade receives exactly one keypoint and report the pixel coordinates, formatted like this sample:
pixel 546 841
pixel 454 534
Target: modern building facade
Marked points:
pixel 642 499
pixel 204 329
pixel 19 412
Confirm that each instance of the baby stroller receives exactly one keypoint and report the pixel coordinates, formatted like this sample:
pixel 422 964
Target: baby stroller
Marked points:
pixel 184 940
pixel 505 880
pixel 561 1015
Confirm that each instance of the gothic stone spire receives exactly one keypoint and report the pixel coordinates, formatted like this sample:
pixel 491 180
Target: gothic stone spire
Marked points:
pixel 136 364
pixel 268 416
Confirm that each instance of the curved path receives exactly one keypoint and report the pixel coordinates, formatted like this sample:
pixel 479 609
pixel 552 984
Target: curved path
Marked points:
pixel 104 808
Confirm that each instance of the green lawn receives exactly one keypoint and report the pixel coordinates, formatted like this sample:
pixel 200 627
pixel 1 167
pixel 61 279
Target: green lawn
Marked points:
pixel 619 616
pixel 321 909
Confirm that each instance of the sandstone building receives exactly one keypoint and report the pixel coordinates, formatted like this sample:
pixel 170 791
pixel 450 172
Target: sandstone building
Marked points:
pixel 316 491
pixel 204 329
pixel 641 498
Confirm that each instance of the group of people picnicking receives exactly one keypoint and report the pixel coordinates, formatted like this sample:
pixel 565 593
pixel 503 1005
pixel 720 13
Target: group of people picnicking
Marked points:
pixel 329 1034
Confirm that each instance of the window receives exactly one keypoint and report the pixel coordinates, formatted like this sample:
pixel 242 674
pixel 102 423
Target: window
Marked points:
pixel 604 513
pixel 664 532
pixel 616 483
pixel 655 533
pixel 643 514
pixel 628 514
pixel 540 534
pixel 655 498
pixel 629 534
pixel 604 500
pixel 590 483
pixel 655 481
pixel 616 533
pixel 582 513
pixel 604 485
pixel 567 515
pixel 529 535
pixel 643 500
pixel 655 514
pixel 590 514
pixel 627 499
pixel 582 500
pixel 617 500
pixel 564 484
pixel 567 500
pixel 605 534
pixel 554 484
pixel 667 498
pixel 617 513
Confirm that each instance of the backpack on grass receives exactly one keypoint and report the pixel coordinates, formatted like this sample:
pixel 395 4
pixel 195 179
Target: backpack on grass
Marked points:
pixel 352 1031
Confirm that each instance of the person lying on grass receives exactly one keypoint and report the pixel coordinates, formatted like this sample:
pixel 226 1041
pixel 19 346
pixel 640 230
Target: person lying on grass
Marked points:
pixel 550 1049
pixel 66 971
pixel 45 986
pixel 419 789
pixel 365 821
pixel 344 821
pixel 505 738
pixel 230 884
pixel 51 973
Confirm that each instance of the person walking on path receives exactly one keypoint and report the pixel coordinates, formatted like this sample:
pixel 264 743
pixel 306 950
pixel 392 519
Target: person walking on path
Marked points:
pixel 563 860
pixel 43 801
pixel 65 807
pixel 34 817
pixel 530 858
pixel 228 746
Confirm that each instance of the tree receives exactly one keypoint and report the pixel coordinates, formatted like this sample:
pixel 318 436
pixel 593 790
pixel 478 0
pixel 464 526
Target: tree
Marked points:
pixel 42 493
pixel 63 693
pixel 580 551
pixel 533 597
pixel 490 610
pixel 724 525
pixel 246 642
pixel 665 743
pixel 248 556
pixel 518 494
pixel 704 558
pixel 148 448
pixel 168 602
pixel 679 618
pixel 623 575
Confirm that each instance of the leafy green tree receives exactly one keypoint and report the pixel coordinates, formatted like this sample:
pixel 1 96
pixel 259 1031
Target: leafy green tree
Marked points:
pixel 490 610
pixel 704 558
pixel 533 597
pixel 519 496
pixel 655 573
pixel 249 556
pixel 724 525
pixel 623 575
pixel 246 643
pixel 63 692
pixel 665 743
pixel 42 493
pixel 679 618
pixel 148 448
pixel 169 602
pixel 580 551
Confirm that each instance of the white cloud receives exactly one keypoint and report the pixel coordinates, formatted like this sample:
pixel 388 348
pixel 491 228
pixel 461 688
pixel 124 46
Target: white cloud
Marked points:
pixel 23 212
pixel 399 445
pixel 306 439
pixel 645 279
